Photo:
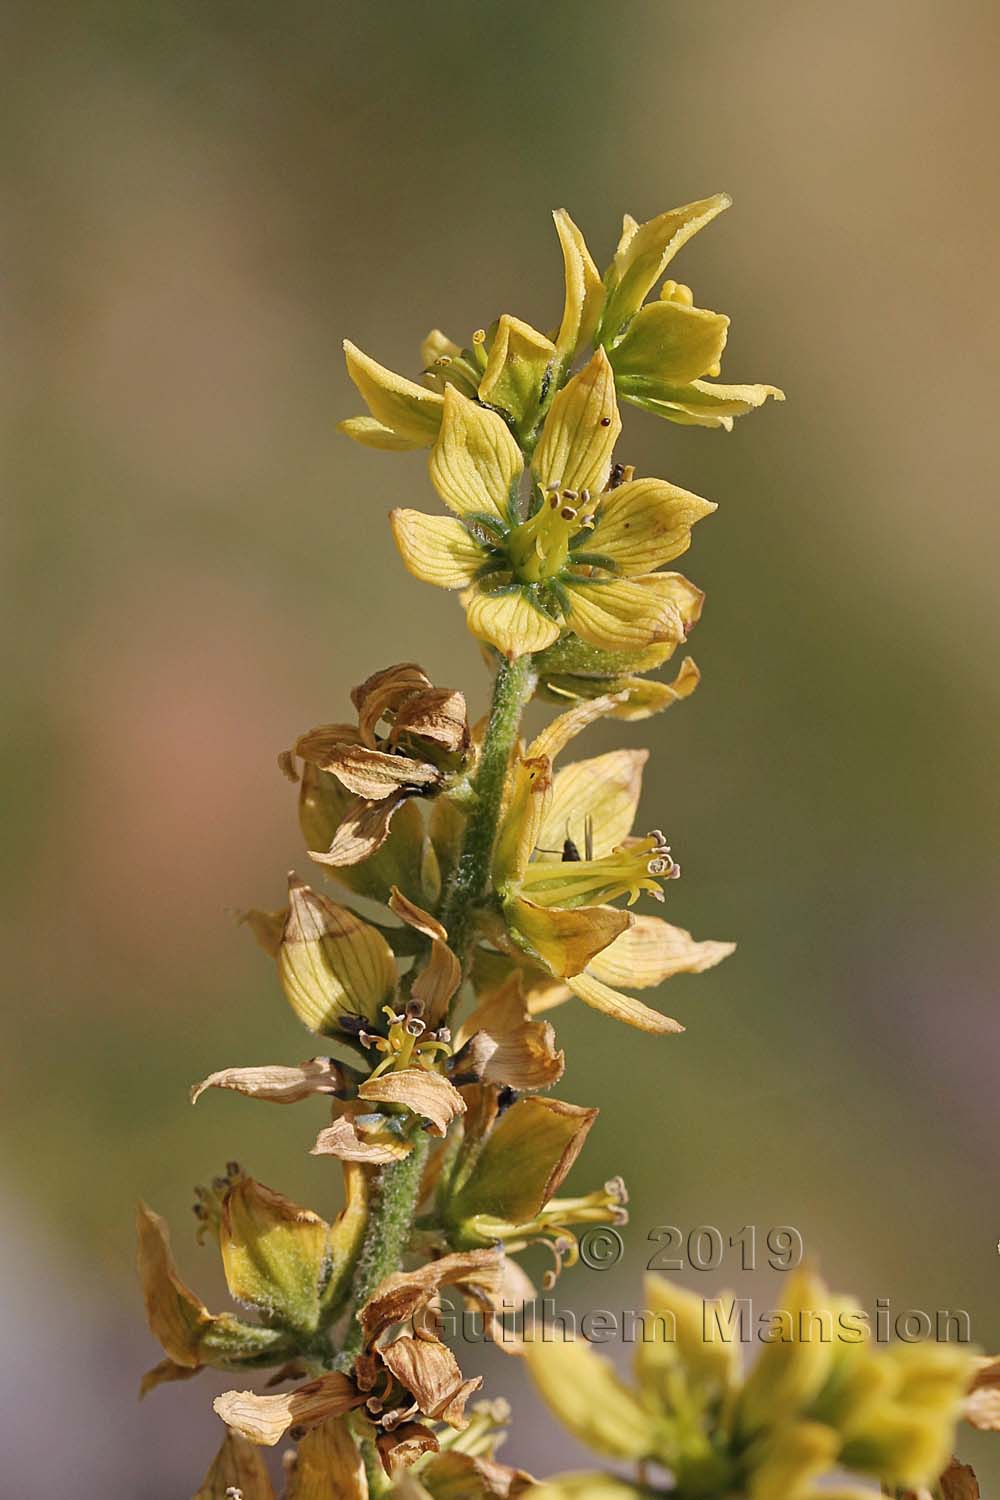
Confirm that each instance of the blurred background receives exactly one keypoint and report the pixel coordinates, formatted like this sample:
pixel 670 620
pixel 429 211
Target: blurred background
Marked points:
pixel 201 200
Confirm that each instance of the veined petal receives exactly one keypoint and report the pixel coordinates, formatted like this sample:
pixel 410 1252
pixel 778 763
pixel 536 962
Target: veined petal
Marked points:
pixel 331 963
pixel 477 1273
pixel 580 431
pixel 565 940
pixel 508 620
pixel 266 1419
pixel 372 434
pixel 425 1093
pixel 274 1254
pixel 621 1007
pixel 644 252
pixel 408 410
pixel 651 951
pixel 602 794
pixel 672 342
pixel 277 1084
pixel 584 290
pixel 373 774
pixel 701 403
pixel 644 524
pixel 436 549
pixel 475 460
pixel 430 1372
pixel 620 614
pixel 516 368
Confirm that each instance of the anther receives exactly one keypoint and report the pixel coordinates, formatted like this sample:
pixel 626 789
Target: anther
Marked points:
pixel 479 337
pixel 552 489
pixel 605 421
pixel 568 513
pixel 554 501
pixel 414 1026
pixel 414 1008
pixel 570 495
pixel 443 1034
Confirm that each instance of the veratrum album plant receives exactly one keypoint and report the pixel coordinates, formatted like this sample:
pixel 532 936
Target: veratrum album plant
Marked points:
pixel 509 879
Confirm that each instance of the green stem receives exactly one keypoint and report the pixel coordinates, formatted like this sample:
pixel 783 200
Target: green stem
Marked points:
pixel 397 1189
pixel 390 1220
pixel 514 685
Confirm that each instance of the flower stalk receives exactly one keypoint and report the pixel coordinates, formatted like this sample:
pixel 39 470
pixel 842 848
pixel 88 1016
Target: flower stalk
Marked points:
pixel 508 884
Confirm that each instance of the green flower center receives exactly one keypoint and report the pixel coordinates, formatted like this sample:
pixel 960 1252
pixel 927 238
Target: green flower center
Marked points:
pixel 539 547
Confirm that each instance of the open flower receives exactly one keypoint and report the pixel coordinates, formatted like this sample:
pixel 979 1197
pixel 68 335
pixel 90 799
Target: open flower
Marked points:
pixel 661 352
pixel 501 1185
pixel 555 903
pixel 817 1399
pixel 410 740
pixel 570 555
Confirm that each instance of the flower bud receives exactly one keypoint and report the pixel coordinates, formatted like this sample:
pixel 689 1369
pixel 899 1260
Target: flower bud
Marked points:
pixel 275 1255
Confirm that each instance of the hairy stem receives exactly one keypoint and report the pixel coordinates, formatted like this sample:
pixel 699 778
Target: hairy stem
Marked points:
pixel 390 1220
pixel 514 684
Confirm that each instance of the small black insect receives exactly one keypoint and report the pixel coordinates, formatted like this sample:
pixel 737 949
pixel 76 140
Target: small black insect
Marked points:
pixel 570 852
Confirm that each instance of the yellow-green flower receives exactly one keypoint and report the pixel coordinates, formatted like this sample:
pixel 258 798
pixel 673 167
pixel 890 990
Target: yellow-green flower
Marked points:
pixel 556 908
pixel 662 352
pixel 570 555
pixel 817 1399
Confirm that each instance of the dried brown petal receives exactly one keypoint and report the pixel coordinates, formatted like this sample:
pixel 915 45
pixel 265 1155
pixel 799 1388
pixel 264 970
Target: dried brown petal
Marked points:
pixel 958 1482
pixel 278 1084
pixel 430 1372
pixel 425 1093
pixel 479 1273
pixel 404 1445
pixel 438 715
pixel 414 916
pixel 384 692
pixel 176 1317
pixel 344 1139
pixel 511 1048
pixel 266 1419
pixel 374 774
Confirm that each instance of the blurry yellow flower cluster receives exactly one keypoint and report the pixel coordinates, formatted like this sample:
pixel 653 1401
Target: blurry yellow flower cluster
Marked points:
pixel 818 1400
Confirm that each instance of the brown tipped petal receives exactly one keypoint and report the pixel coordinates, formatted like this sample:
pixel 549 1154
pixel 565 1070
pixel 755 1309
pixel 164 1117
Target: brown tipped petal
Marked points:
pixel 319 744
pixel 266 1419
pixel 176 1317
pixel 364 830
pixel 238 1468
pixel 427 1094
pixel 437 982
pixel 455 1473
pixel 344 1139
pixel 414 916
pixel 277 1084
